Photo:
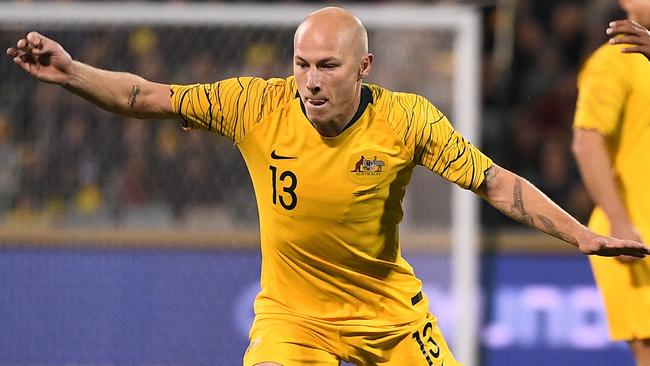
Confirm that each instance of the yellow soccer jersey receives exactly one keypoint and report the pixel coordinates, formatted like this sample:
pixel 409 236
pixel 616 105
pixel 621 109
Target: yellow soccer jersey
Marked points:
pixel 614 99
pixel 329 207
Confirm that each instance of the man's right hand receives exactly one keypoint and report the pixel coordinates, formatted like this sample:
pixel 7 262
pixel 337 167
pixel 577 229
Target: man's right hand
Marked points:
pixel 43 58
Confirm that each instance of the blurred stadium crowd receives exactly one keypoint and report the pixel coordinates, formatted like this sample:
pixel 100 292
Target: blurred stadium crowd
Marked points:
pixel 64 162
pixel 532 101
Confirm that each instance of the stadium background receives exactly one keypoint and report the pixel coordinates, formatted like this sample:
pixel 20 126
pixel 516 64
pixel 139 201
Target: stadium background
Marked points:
pixel 91 274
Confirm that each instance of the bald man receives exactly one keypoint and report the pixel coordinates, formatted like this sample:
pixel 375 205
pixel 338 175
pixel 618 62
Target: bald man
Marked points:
pixel 330 158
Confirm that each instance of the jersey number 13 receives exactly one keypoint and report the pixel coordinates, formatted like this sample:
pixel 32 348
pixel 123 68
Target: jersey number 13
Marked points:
pixel 288 182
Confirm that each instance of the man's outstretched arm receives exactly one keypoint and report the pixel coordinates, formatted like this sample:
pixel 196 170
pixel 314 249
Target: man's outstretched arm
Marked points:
pixel 631 33
pixel 118 92
pixel 523 202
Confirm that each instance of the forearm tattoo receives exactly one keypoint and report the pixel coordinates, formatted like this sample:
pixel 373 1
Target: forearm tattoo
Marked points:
pixel 551 229
pixel 135 90
pixel 518 211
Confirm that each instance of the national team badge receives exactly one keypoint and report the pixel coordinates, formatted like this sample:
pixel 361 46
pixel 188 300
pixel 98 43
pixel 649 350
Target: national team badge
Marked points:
pixel 367 167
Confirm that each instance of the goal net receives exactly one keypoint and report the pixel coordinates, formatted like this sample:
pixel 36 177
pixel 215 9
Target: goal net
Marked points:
pixel 75 176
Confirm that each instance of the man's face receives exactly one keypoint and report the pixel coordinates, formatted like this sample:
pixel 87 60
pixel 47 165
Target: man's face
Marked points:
pixel 328 73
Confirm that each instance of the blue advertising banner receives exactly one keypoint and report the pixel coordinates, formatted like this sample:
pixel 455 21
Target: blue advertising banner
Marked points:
pixel 145 307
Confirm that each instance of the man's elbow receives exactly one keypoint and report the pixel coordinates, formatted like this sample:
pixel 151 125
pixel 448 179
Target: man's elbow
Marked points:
pixel 491 182
pixel 503 185
pixel 155 103
pixel 577 145
pixel 586 144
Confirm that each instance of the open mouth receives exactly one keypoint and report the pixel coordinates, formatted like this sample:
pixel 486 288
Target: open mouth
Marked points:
pixel 316 102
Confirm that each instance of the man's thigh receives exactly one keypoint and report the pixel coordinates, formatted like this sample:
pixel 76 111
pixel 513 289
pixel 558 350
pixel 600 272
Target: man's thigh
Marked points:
pixel 419 344
pixel 425 346
pixel 288 343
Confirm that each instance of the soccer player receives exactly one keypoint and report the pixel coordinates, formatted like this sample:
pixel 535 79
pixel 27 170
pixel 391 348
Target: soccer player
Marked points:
pixel 612 146
pixel 330 158
pixel 630 32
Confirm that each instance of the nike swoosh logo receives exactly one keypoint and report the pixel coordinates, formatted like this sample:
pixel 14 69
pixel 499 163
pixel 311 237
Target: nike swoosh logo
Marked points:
pixel 281 157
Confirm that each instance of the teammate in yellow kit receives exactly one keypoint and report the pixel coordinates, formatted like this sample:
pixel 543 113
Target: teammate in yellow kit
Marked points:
pixel 612 147
pixel 330 158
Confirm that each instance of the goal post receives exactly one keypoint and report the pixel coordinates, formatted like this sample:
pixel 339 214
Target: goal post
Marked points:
pixel 463 23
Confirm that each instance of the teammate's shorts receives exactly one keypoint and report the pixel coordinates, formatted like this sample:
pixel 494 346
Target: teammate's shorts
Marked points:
pixel 295 341
pixel 625 288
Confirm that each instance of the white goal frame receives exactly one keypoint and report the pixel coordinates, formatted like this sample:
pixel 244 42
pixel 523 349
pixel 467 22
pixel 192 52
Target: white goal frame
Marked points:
pixel 463 20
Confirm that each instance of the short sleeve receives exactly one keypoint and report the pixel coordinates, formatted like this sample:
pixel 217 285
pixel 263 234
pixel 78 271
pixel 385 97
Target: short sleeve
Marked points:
pixel 229 107
pixel 602 90
pixel 440 148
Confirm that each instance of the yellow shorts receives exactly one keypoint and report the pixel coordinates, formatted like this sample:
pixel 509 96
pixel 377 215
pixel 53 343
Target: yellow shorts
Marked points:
pixel 294 341
pixel 625 289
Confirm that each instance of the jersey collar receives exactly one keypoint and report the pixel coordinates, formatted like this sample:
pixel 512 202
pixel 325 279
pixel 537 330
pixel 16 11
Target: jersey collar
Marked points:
pixel 366 98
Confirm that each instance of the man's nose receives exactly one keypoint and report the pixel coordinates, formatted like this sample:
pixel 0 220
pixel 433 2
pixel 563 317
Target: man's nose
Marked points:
pixel 313 81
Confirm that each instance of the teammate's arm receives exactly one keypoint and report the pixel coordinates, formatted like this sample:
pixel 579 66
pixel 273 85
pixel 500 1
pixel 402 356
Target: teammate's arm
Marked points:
pixel 523 202
pixel 595 166
pixel 119 92
pixel 632 33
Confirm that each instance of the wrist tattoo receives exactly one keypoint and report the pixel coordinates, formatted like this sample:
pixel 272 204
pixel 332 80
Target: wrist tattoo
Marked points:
pixel 518 211
pixel 135 90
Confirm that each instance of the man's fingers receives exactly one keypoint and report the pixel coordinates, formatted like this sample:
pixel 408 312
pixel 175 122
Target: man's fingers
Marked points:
pixel 39 52
pixel 639 250
pixel 26 52
pixel 33 42
pixel 638 44
pixel 23 45
pixel 619 30
pixel 624 39
pixel 636 49
pixel 23 59
pixel 617 23
pixel 25 65
pixel 624 23
pixel 24 48
pixel 625 27
pixel 20 56
pixel 36 39
pixel 631 252
pixel 634 253
pixel 627 259
pixel 27 58
pixel 625 247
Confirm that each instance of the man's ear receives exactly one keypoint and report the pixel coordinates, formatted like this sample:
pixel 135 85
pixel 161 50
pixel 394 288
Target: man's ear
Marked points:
pixel 366 65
